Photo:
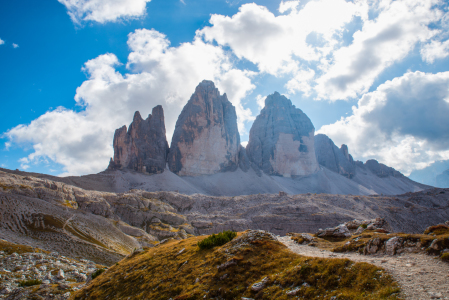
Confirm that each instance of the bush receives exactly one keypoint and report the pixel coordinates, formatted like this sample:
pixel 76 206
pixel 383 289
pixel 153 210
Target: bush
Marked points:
pixel 364 226
pixel 97 273
pixel 30 282
pixel 445 257
pixel 438 229
pixel 217 239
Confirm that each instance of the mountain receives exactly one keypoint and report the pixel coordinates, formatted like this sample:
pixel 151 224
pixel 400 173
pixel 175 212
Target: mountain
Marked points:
pixel 143 148
pixel 429 174
pixel 206 139
pixel 281 140
pixel 442 180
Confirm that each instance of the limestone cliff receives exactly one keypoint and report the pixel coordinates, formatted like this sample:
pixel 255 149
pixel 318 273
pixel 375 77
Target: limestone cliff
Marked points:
pixel 206 139
pixel 281 140
pixel 143 148
pixel 333 158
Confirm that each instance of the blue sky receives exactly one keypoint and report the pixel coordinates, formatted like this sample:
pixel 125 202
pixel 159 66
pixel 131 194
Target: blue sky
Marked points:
pixel 370 74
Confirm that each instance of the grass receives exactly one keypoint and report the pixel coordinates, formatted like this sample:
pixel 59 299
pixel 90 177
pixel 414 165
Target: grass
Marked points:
pixel 31 282
pixel 97 273
pixel 167 272
pixel 217 239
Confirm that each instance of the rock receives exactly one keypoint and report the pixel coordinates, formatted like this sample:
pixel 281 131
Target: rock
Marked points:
pixel 259 285
pixel 227 264
pixel 339 231
pixel 60 274
pixel 381 170
pixel 373 246
pixel 435 245
pixel 244 162
pixel 359 230
pixel 81 277
pixel 434 295
pixel 293 292
pixel 143 148
pixel 329 156
pixel 206 138
pixel 392 245
pixel 281 139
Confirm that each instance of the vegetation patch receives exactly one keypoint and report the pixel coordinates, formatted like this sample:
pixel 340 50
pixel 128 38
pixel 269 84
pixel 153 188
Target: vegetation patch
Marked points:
pixel 217 239
pixel 97 273
pixel 32 282
pixel 178 270
pixel 437 229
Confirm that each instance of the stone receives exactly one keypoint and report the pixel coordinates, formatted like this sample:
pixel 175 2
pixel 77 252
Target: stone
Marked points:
pixel 281 139
pixel 392 245
pixel 330 156
pixel 227 264
pixel 381 170
pixel 373 246
pixel 339 231
pixel 258 286
pixel 60 274
pixel 359 230
pixel 293 292
pixel 143 147
pixel 206 140
pixel 435 245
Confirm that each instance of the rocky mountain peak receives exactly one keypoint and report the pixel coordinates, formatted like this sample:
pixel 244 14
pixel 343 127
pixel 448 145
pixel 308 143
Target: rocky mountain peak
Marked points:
pixel 281 140
pixel 206 138
pixel 143 147
pixel 333 158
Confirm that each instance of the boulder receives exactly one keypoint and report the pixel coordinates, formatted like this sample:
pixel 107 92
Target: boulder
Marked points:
pixel 259 285
pixel 143 147
pixel 340 231
pixel 281 139
pixel 333 158
pixel 393 245
pixel 206 138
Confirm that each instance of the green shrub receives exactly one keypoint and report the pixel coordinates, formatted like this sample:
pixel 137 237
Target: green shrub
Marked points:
pixel 445 257
pixel 97 273
pixel 30 282
pixel 364 226
pixel 217 239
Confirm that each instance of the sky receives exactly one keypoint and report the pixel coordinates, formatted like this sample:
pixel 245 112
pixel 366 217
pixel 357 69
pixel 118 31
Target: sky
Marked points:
pixel 371 74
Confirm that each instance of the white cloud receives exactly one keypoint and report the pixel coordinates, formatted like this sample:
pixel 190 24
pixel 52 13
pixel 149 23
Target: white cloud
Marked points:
pixel 301 82
pixel 2 42
pixel 274 43
pixel 435 50
pixel 183 2
pixel 103 11
pixel 260 100
pixel 288 5
pixel 403 123
pixel 15 45
pixel 384 40
pixel 81 141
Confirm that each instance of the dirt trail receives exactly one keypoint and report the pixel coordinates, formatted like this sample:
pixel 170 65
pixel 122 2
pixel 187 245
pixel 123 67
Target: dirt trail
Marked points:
pixel 420 276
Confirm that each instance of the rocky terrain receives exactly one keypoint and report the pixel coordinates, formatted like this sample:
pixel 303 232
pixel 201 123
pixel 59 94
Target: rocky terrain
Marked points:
pixel 104 226
pixel 31 273
pixel 254 265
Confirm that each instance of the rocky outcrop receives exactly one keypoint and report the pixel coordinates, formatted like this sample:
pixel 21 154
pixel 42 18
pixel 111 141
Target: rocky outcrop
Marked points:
pixel 143 147
pixel 381 170
pixel 333 158
pixel 206 139
pixel 281 140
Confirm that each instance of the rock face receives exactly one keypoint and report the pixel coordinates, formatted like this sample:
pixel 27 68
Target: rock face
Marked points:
pixel 329 156
pixel 281 140
pixel 381 170
pixel 143 148
pixel 206 139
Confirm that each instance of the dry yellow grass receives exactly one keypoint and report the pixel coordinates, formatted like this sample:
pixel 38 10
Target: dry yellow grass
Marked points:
pixel 167 272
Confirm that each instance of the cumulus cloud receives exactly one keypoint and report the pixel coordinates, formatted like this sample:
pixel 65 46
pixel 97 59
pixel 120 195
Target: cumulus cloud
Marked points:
pixel 403 123
pixel 435 50
pixel 301 82
pixel 15 45
pixel 103 11
pixel 399 26
pixel 2 42
pixel 273 43
pixel 159 74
